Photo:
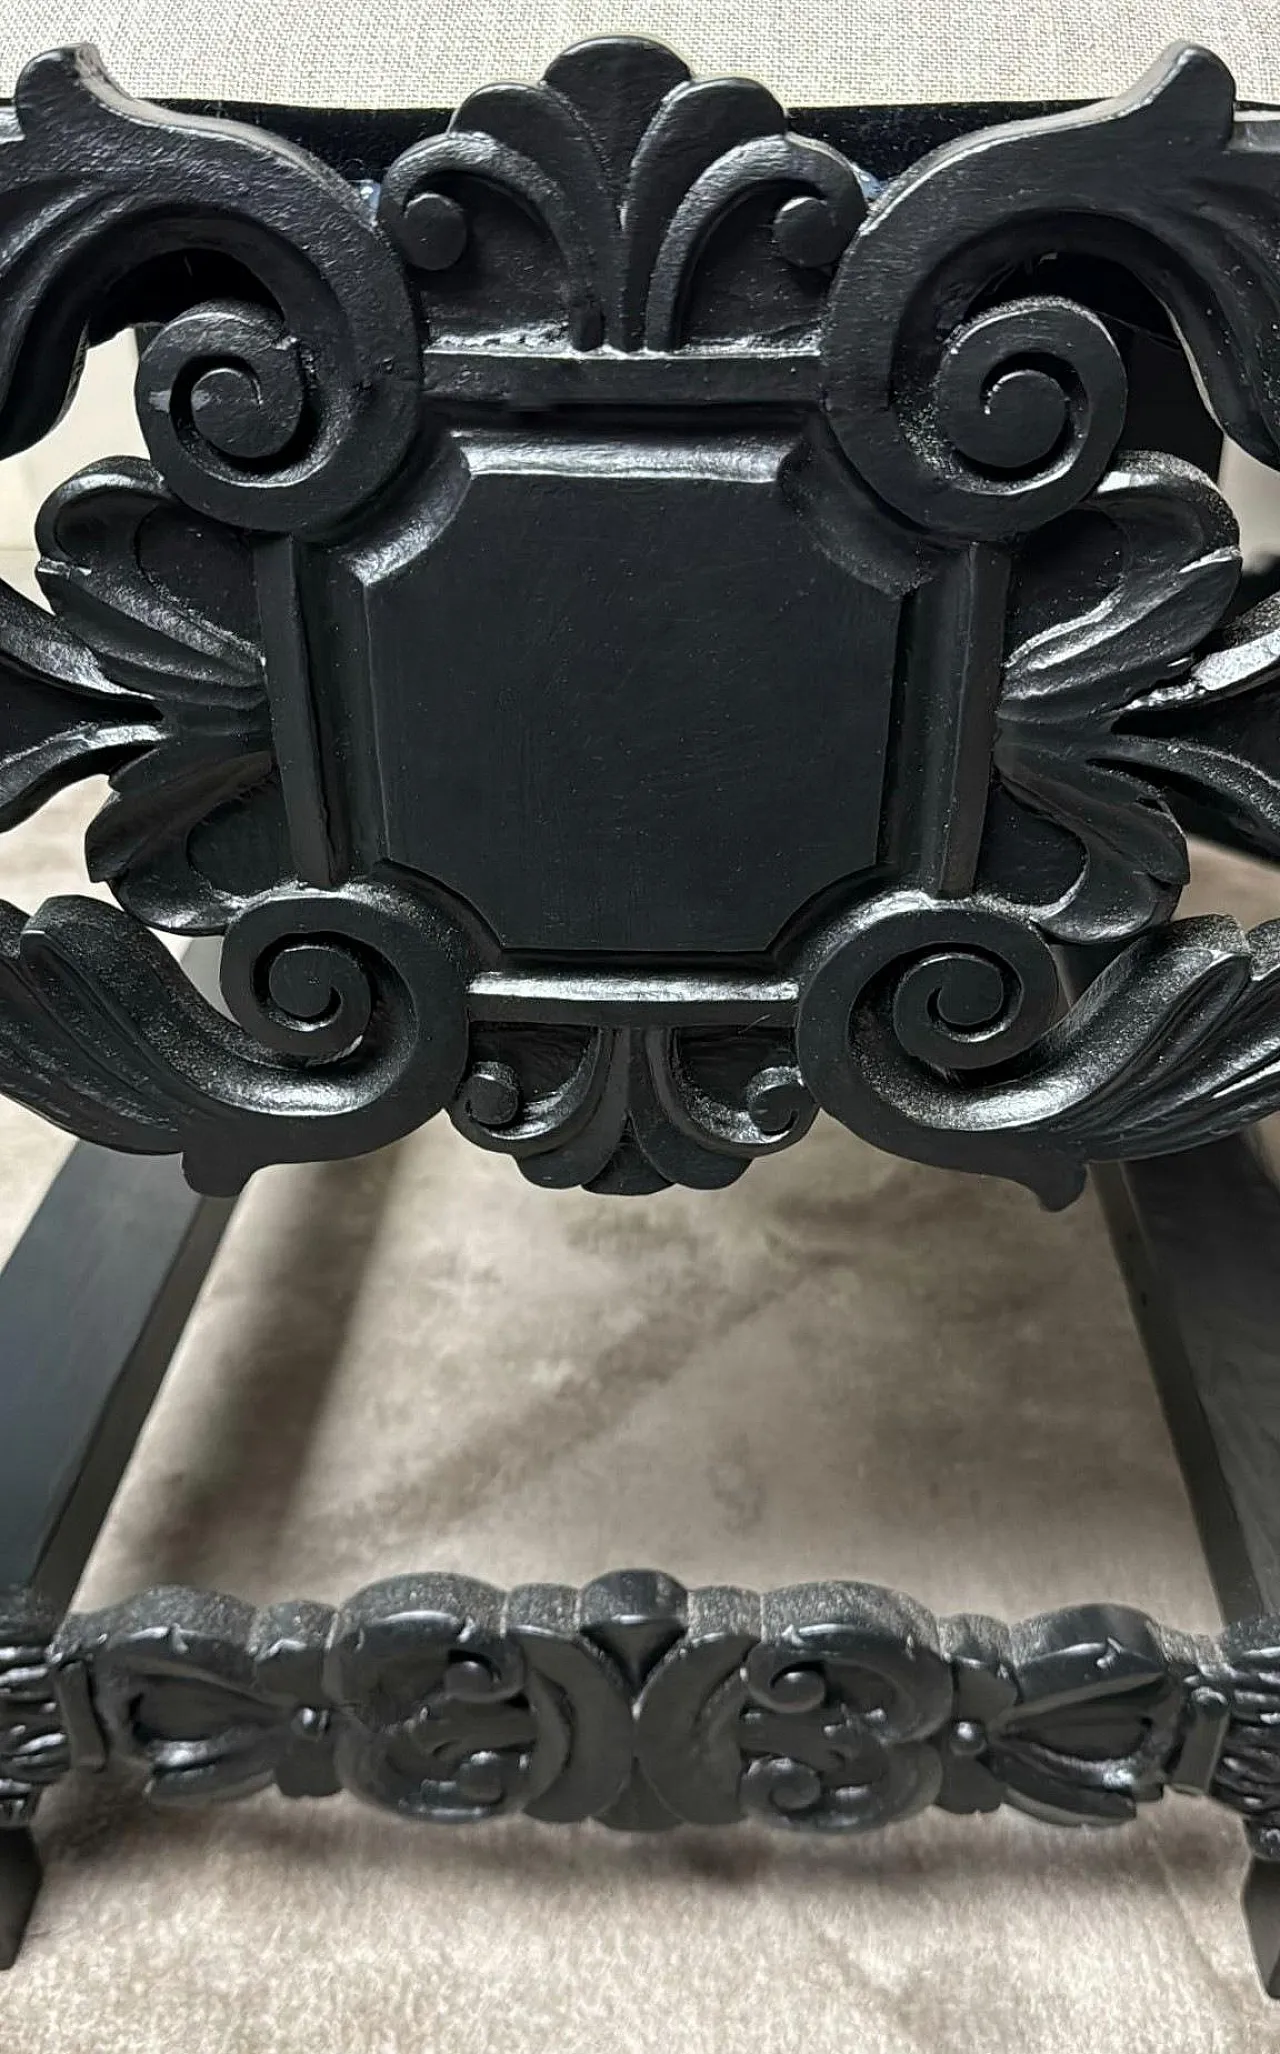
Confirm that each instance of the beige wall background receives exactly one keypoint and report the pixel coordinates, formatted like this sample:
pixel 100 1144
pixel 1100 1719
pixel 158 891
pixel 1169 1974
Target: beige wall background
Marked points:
pixel 431 53
pixel 99 422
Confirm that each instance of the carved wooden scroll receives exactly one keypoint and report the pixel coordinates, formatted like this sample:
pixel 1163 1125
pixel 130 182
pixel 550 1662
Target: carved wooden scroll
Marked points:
pixel 633 631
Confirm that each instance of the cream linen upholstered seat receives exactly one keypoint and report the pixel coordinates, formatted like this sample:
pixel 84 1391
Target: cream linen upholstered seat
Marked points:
pixel 359 1392
pixel 811 53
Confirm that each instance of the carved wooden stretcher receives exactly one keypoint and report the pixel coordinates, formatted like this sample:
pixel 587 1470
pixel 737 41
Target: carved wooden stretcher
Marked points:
pixel 646 616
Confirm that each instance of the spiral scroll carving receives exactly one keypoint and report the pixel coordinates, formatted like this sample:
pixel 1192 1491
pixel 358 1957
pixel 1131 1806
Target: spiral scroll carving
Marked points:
pixel 907 993
pixel 631 1110
pixel 998 426
pixel 941 1031
pixel 222 382
pixel 1031 388
pixel 282 411
pixel 348 1022
pixel 568 371
pixel 986 420
pixel 995 426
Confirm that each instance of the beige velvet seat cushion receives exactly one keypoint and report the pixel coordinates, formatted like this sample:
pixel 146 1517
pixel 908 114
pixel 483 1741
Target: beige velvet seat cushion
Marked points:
pixel 413 53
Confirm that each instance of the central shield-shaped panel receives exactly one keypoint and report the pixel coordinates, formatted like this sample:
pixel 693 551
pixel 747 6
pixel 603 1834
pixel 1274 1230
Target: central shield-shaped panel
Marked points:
pixel 617 693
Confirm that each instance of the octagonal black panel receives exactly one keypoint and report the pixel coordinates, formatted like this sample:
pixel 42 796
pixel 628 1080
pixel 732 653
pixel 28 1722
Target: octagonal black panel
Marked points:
pixel 612 691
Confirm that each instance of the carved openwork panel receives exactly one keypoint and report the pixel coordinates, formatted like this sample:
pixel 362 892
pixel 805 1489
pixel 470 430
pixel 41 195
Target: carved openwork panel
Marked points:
pixel 634 630
pixel 832 1707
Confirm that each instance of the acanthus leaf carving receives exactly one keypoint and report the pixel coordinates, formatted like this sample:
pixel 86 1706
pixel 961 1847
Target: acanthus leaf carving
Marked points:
pixel 34 1748
pixel 106 538
pixel 64 717
pixel 629 1109
pixel 285 412
pixel 938 1030
pixel 988 420
pixel 244 636
pixel 1211 737
pixel 348 1018
pixel 1069 737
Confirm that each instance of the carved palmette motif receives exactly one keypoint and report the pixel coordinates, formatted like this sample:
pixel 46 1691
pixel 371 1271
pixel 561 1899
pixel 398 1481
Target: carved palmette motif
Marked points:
pixel 635 630
pixel 832 1707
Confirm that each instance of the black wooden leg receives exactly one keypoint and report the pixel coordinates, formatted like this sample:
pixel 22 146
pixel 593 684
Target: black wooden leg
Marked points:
pixel 19 1885
pixel 92 1304
pixel 1198 1236
pixel 1261 1900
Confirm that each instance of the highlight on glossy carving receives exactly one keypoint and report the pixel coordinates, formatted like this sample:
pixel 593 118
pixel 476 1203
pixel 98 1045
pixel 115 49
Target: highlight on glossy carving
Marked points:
pixel 633 631
pixel 826 1708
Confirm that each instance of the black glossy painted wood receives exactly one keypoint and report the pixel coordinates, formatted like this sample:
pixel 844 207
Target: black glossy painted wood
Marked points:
pixel 1198 1236
pixel 93 1301
pixel 631 539
pixel 828 1707
pixel 645 618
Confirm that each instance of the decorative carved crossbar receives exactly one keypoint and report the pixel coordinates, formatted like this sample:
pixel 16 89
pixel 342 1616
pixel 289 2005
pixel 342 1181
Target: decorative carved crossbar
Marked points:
pixel 634 630
pixel 829 1707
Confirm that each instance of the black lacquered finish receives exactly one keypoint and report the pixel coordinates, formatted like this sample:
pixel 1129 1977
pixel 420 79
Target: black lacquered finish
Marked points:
pixel 634 630
pixel 92 1304
pixel 646 618
pixel 1198 1236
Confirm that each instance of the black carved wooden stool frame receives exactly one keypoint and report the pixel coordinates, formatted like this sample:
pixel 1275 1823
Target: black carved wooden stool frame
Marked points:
pixel 647 616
